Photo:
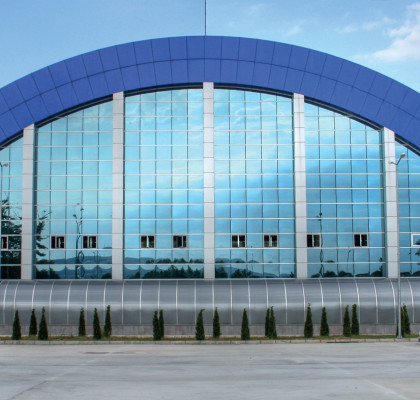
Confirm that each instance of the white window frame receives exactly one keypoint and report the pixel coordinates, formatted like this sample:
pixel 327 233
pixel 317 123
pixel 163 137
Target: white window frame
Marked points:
pixel 270 240
pixel 184 241
pixel 361 239
pixel 237 236
pixel 414 244
pixel 148 237
pixel 87 242
pixel 4 245
pixel 55 242
pixel 314 243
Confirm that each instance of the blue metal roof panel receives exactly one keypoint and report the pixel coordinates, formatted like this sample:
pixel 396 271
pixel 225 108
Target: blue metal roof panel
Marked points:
pixel 223 60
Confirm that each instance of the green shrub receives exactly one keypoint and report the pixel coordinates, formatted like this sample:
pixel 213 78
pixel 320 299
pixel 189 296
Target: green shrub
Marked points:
pixel 108 324
pixel 17 330
pixel 354 320
pixel 97 334
pixel 272 325
pixel 33 324
pixel 156 326
pixel 325 329
pixel 245 326
pixel 161 324
pixel 43 328
pixel 346 323
pixel 309 327
pixel 405 322
pixel 216 325
pixel 82 323
pixel 199 327
pixel 267 329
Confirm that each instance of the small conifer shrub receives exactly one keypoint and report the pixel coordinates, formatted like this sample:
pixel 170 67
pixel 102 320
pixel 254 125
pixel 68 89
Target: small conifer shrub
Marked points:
pixel 354 320
pixel 43 328
pixel 17 330
pixel 216 325
pixel 245 326
pixel 346 323
pixel 405 322
pixel 33 324
pixel 272 325
pixel 97 334
pixel 108 324
pixel 267 329
pixel 309 327
pixel 199 327
pixel 156 326
pixel 161 324
pixel 325 329
pixel 82 323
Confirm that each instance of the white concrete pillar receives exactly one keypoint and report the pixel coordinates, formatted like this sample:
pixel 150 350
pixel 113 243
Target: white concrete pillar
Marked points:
pixel 300 185
pixel 118 186
pixel 208 111
pixel 391 204
pixel 27 202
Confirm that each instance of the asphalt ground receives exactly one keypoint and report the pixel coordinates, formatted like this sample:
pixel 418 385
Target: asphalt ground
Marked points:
pixel 242 371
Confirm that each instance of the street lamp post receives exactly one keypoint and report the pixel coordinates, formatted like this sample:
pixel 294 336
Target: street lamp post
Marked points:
pixel 402 155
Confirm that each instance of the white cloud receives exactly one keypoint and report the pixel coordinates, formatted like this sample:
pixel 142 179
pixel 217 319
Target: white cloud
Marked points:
pixel 294 30
pixel 366 26
pixel 405 45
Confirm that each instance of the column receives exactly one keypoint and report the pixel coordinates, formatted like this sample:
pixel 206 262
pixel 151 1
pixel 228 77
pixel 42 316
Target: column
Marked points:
pixel 391 204
pixel 300 185
pixel 208 111
pixel 118 186
pixel 27 202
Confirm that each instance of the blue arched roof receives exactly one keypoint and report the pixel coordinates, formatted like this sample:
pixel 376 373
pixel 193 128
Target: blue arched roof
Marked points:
pixel 223 60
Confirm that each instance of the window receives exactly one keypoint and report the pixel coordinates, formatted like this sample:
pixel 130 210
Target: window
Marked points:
pixel 147 242
pixel 4 242
pixel 179 242
pixel 238 241
pixel 58 242
pixel 415 239
pixel 270 241
pixel 313 240
pixel 89 242
pixel 360 240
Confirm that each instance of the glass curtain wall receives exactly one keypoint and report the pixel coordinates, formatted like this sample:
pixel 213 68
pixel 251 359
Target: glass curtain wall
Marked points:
pixel 11 210
pixel 344 160
pixel 254 195
pixel 73 213
pixel 163 226
pixel 409 210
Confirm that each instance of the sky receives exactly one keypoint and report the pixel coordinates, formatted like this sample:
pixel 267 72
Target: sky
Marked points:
pixel 380 34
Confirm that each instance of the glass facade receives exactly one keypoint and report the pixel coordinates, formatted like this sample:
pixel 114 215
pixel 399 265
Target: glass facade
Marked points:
pixel 409 210
pixel 11 209
pixel 345 208
pixel 254 196
pixel 163 225
pixel 73 206
pixel 164 191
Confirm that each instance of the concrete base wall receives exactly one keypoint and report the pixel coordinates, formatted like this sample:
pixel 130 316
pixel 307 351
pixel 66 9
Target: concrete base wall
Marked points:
pixel 227 330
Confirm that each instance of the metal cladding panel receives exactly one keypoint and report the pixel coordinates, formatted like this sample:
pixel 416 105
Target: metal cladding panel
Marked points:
pixel 77 300
pixel 276 298
pixel 3 290
pixel 313 296
pixel 349 293
pixel 258 300
pixel 332 301
pixel 204 294
pixel 240 300
pixel 415 312
pixel 9 302
pixel 407 296
pixel 42 297
pixel 223 60
pixel 186 302
pixel 131 303
pixel 149 301
pixel 167 301
pixel 368 302
pixel 23 301
pixel 295 302
pixel 113 298
pixel 223 300
pixel 95 298
pixel 386 302
pixel 59 298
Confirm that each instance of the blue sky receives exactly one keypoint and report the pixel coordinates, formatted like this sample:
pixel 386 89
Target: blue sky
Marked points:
pixel 381 34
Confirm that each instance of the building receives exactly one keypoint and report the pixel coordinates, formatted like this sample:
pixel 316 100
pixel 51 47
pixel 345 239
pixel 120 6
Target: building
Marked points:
pixel 210 159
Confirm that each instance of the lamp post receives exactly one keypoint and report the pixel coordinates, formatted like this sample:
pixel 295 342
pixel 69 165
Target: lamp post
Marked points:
pixel 1 200
pixel 402 155
pixel 79 254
